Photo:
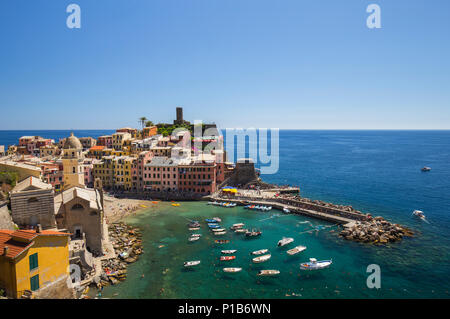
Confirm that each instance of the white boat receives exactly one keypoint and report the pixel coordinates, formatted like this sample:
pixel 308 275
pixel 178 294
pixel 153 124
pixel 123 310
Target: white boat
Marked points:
pixel 217 219
pixel 268 272
pixel 241 230
pixel 285 241
pixel 232 269
pixel 426 169
pixel 230 251
pixel 194 228
pixel 218 229
pixel 193 238
pixel 237 226
pixel 285 210
pixel 212 203
pixel 260 252
pixel 191 263
pixel 313 264
pixel 261 259
pixel 420 214
pixel 196 235
pixel 296 250
pixel 220 233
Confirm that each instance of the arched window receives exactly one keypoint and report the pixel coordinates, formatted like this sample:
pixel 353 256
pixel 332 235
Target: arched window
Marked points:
pixel 77 207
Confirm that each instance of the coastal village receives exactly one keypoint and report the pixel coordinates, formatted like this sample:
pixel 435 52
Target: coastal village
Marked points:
pixel 61 202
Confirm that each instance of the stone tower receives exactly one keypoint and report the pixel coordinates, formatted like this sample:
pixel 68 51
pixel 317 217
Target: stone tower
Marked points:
pixel 72 163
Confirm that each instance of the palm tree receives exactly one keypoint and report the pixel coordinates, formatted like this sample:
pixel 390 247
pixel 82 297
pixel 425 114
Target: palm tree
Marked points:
pixel 148 123
pixel 142 121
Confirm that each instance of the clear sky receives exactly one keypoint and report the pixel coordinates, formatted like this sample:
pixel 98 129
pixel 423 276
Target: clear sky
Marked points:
pixel 240 63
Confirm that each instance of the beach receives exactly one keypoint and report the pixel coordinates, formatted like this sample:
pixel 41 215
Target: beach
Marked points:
pixel 117 209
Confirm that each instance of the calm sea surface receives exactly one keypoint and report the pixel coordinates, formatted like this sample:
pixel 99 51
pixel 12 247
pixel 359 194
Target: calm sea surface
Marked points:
pixel 374 171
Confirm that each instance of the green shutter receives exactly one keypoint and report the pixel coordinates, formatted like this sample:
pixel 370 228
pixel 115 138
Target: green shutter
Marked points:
pixel 33 261
pixel 34 282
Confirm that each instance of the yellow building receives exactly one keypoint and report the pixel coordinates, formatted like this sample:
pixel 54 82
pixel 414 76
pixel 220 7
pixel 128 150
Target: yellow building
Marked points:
pixel 122 172
pixel 119 139
pixel 105 171
pixel 30 260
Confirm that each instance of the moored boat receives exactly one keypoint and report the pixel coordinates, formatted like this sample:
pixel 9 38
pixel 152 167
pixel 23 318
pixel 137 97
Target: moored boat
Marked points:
pixel 227 258
pixel 261 259
pixel 285 210
pixel 268 272
pixel 313 264
pixel 221 241
pixel 260 252
pixel 191 263
pixel 296 250
pixel 217 219
pixel 229 251
pixel 208 220
pixel 213 226
pixel 284 241
pixel 236 226
pixel 253 233
pixel 232 269
pixel 241 230
pixel 217 229
pixel 194 228
pixel 220 233
pixel 193 238
pixel 196 235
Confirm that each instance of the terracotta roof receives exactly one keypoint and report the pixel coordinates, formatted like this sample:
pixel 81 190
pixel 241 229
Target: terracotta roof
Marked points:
pixel 17 247
pixel 97 148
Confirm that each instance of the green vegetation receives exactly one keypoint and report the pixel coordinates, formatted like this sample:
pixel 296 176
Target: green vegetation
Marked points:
pixel 148 123
pixel 9 178
pixel 142 121
pixel 167 130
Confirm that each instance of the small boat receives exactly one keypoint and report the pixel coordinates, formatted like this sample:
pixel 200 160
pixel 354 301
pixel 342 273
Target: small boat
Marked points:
pixel 213 203
pixel 196 235
pixel 236 226
pixel 241 230
pixel 313 264
pixel 253 233
pixel 231 205
pixel 220 233
pixel 194 228
pixel 210 220
pixel 227 258
pixel 285 241
pixel 217 229
pixel 232 269
pixel 230 251
pixel 260 252
pixel 217 219
pixel 213 226
pixel 175 204
pixel 285 210
pixel 154 202
pixel 268 272
pixel 426 169
pixel 191 263
pixel 261 259
pixel 193 238
pixel 419 214
pixel 296 250
pixel 221 241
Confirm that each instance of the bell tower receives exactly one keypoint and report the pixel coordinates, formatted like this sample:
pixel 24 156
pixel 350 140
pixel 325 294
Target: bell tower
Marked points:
pixel 73 163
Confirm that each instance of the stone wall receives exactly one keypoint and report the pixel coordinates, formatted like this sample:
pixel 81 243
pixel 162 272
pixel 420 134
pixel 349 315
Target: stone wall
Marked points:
pixel 33 207
pixel 244 173
pixel 5 218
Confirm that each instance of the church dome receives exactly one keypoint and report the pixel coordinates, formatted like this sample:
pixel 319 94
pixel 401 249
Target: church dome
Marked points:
pixel 72 142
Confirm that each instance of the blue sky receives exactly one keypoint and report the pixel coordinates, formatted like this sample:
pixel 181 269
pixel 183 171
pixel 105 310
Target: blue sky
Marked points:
pixel 241 63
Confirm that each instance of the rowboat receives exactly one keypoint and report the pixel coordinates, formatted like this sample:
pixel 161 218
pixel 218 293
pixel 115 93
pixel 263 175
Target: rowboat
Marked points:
pixel 296 250
pixel 285 241
pixel 313 264
pixel 213 203
pixel 175 204
pixel 220 233
pixel 261 259
pixel 260 252
pixel 218 229
pixel 253 233
pixel 196 235
pixel 217 219
pixel 210 220
pixel 236 226
pixel 268 272
pixel 221 241
pixel 230 251
pixel 194 228
pixel 193 238
pixel 285 210
pixel 213 226
pixel 227 258
pixel 241 230
pixel 232 269
pixel 191 263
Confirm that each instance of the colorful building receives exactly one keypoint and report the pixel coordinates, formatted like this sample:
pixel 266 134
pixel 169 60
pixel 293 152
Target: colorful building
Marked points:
pixel 161 174
pixel 105 140
pixel 30 260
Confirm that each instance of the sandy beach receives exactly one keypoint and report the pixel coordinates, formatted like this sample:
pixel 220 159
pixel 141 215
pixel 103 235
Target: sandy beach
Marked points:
pixel 117 209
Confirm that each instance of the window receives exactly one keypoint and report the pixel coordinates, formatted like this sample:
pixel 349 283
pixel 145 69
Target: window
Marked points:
pixel 34 283
pixel 77 207
pixel 33 262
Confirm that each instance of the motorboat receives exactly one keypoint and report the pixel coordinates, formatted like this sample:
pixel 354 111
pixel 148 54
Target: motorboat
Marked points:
pixel 268 272
pixel 296 250
pixel 261 259
pixel 419 214
pixel 232 269
pixel 227 258
pixel 191 263
pixel 238 225
pixel 230 251
pixel 217 229
pixel 220 233
pixel 221 241
pixel 426 169
pixel 313 264
pixel 193 238
pixel 260 252
pixel 285 210
pixel 253 233
pixel 284 241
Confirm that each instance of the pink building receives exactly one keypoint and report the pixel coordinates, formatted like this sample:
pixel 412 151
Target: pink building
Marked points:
pixel 105 140
pixel 161 174
pixel 137 169
pixel 53 174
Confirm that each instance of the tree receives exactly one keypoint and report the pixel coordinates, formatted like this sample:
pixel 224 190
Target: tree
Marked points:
pixel 142 121
pixel 148 123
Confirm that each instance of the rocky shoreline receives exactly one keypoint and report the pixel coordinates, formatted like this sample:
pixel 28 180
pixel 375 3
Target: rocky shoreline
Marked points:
pixel 375 230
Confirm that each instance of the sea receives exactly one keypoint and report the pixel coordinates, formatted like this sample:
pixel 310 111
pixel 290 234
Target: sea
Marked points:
pixel 374 171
